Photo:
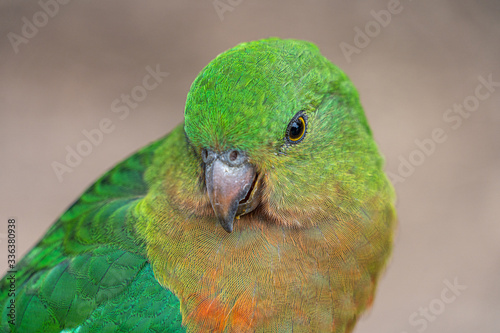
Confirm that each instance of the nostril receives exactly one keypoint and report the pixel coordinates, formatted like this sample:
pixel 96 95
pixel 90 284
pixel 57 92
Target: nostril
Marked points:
pixel 233 155
pixel 206 156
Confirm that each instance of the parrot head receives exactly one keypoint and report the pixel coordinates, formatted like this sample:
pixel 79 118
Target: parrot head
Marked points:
pixel 279 133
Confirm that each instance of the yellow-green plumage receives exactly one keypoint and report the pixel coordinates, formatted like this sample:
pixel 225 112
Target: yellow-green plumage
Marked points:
pixel 304 258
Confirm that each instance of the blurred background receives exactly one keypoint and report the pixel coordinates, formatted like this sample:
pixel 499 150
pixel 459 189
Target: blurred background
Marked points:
pixel 428 73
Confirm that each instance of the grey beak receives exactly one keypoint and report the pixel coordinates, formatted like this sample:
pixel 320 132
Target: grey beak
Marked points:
pixel 229 178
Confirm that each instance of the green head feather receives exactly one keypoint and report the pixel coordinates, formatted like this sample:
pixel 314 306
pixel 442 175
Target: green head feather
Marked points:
pixel 245 99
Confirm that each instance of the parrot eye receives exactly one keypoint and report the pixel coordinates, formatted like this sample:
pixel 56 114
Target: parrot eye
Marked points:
pixel 296 130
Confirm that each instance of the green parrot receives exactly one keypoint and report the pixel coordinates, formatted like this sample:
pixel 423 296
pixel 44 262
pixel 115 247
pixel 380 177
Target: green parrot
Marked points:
pixel 267 210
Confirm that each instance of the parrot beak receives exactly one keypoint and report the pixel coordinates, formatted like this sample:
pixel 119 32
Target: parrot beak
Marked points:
pixel 230 179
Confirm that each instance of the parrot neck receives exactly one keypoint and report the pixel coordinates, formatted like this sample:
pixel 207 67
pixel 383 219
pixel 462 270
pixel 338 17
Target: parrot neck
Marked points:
pixel 265 277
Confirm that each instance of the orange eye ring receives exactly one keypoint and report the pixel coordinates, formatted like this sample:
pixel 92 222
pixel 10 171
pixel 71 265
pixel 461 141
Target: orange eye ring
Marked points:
pixel 296 130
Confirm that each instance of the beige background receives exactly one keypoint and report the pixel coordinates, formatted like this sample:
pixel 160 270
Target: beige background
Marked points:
pixel 429 57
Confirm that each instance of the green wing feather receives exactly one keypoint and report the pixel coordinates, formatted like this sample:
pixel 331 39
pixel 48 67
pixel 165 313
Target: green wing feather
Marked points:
pixel 89 273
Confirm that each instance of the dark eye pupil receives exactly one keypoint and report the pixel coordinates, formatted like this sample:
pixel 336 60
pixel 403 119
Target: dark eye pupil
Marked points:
pixel 296 129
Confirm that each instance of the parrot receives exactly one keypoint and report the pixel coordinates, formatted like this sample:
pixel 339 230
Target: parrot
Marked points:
pixel 266 210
